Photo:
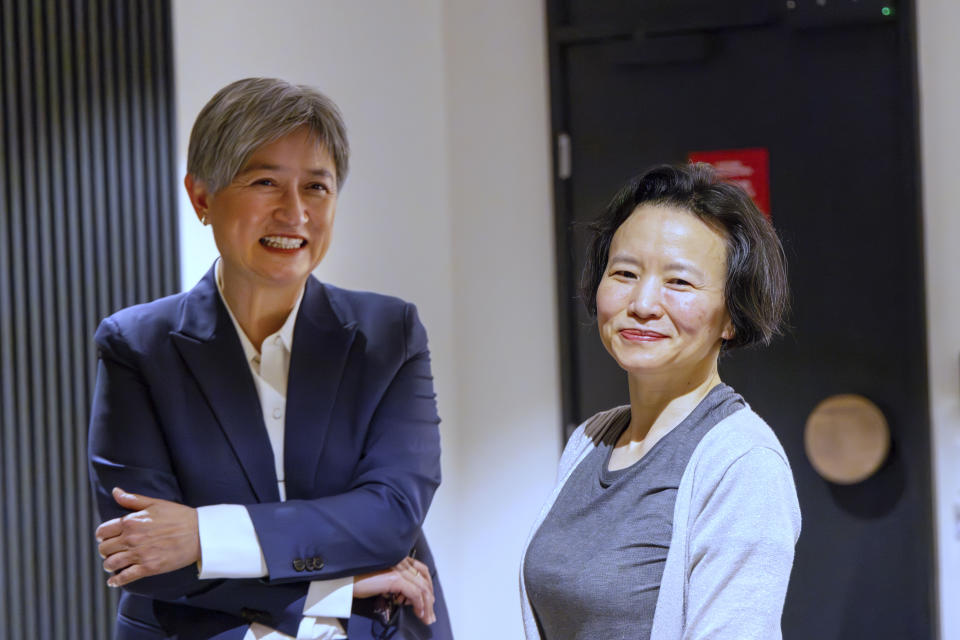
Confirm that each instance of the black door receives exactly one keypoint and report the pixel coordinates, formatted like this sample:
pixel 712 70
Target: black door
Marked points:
pixel 827 87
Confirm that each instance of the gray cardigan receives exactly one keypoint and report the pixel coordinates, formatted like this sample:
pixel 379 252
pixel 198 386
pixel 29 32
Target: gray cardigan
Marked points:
pixel 736 521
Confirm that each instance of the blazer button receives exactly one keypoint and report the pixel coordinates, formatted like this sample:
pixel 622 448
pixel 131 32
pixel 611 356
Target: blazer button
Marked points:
pixel 299 564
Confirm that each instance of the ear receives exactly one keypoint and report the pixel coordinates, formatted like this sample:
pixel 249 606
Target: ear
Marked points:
pixel 728 331
pixel 199 196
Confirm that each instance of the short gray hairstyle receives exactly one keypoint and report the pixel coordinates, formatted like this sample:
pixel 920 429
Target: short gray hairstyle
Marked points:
pixel 249 113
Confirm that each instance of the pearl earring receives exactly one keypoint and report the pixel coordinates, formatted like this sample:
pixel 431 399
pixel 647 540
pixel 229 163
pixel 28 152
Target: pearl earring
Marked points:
pixel 203 220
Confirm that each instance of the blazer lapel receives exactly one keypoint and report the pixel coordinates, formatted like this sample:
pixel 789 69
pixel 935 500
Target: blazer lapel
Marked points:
pixel 211 349
pixel 321 346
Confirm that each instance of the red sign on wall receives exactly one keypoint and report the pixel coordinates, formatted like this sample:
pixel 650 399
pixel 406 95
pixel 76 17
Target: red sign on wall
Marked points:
pixel 747 168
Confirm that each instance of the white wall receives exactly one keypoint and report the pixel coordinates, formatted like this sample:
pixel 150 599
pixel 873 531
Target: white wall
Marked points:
pixel 504 301
pixel 939 49
pixel 447 205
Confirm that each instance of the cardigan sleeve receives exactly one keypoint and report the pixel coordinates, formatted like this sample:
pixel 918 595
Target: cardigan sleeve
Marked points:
pixel 741 550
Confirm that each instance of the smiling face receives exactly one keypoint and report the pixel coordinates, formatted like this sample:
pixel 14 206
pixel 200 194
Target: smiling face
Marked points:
pixel 660 303
pixel 273 222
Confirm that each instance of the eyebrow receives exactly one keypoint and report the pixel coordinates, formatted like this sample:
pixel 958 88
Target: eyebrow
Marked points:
pixel 623 257
pixel 275 167
pixel 684 266
pixel 673 266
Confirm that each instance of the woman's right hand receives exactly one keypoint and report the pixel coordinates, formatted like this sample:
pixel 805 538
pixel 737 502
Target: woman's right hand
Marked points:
pixel 408 583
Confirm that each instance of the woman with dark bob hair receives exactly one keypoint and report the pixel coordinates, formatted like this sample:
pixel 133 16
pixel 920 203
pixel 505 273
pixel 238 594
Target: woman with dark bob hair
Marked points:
pixel 264 447
pixel 675 517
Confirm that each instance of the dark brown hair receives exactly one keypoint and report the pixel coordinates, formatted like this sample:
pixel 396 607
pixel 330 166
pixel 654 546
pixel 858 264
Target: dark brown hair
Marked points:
pixel 756 291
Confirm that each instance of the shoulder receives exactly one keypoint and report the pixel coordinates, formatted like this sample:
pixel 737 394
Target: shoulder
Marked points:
pixel 366 309
pixel 603 424
pixel 140 325
pixel 359 306
pixel 383 320
pixel 741 449
pixel 588 435
pixel 738 434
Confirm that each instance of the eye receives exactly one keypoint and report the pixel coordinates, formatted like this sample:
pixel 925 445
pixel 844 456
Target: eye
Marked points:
pixel 680 282
pixel 319 187
pixel 265 182
pixel 624 274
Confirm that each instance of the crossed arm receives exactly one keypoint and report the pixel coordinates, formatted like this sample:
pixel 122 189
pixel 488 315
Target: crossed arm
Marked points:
pixel 160 536
pixel 151 538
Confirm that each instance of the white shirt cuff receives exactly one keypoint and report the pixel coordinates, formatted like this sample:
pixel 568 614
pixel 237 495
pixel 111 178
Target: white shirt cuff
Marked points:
pixel 309 629
pixel 330 598
pixel 229 547
pixel 320 629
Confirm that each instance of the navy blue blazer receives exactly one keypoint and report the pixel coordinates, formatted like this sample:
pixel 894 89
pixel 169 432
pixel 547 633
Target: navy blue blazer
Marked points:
pixel 176 415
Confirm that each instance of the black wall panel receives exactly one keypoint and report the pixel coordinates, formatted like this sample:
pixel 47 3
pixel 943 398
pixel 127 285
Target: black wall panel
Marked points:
pixel 829 89
pixel 88 226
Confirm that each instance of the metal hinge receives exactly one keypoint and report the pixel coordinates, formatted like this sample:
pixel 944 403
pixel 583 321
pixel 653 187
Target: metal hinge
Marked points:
pixel 564 162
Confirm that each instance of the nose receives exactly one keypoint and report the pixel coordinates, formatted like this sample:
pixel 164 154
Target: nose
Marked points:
pixel 646 301
pixel 291 208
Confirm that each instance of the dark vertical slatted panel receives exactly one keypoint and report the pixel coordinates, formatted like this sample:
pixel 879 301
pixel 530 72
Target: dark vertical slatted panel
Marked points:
pixel 88 226
pixel 84 237
pixel 72 403
pixel 8 560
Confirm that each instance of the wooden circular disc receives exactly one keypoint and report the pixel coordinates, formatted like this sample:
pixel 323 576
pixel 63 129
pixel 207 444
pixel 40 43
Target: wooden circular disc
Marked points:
pixel 847 438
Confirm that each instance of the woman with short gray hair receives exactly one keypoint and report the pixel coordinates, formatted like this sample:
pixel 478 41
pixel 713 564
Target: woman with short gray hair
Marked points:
pixel 264 447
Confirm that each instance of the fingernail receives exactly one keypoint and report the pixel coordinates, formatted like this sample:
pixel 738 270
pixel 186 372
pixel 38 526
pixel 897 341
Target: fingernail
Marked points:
pixel 111 584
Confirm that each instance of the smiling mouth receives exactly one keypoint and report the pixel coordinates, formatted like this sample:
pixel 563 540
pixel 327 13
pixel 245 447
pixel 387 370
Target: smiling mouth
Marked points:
pixel 282 242
pixel 641 334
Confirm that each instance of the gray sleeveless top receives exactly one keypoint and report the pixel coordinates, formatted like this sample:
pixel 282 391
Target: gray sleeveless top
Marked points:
pixel 593 567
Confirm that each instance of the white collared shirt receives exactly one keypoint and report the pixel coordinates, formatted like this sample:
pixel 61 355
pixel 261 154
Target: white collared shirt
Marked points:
pixel 229 547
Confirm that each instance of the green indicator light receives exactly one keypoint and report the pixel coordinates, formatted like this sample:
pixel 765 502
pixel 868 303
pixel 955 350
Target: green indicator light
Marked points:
pixel 887 11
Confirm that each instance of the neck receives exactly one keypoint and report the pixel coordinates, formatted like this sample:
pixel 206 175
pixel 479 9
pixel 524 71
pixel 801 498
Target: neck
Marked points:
pixel 659 403
pixel 259 310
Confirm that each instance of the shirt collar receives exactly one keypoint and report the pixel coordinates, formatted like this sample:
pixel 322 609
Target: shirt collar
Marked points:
pixel 285 332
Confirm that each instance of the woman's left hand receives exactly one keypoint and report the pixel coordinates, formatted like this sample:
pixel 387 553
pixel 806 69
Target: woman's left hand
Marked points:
pixel 408 582
pixel 158 537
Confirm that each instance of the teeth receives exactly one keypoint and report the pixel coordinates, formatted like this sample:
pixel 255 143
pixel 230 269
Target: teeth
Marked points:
pixel 282 242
